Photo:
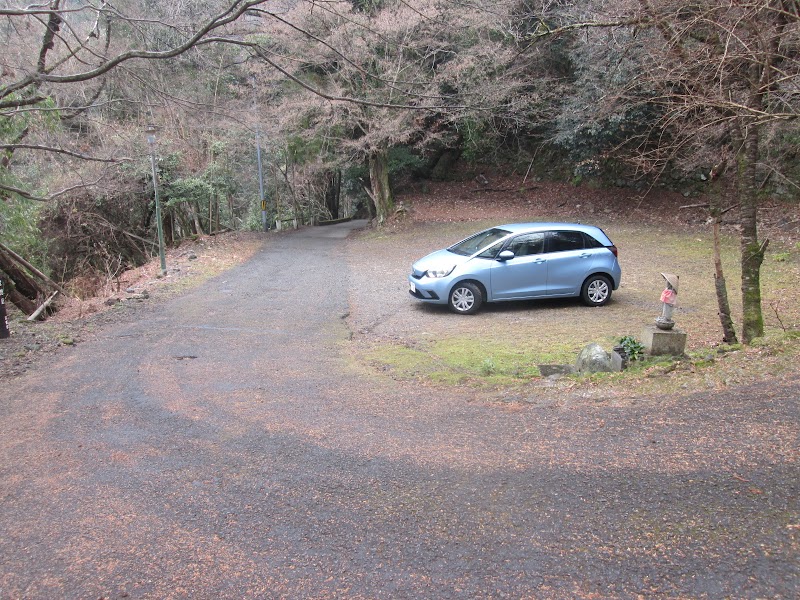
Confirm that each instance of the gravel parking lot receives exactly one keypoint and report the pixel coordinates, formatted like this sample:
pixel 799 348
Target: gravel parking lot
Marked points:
pixel 226 445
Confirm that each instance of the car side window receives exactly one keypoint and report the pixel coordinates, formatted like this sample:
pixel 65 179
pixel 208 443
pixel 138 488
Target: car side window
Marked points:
pixel 491 252
pixel 527 244
pixel 562 241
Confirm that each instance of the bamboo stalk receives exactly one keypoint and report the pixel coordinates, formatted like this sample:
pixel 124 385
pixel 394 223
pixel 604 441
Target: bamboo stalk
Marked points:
pixel 44 305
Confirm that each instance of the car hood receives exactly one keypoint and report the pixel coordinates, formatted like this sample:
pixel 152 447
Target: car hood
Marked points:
pixel 437 260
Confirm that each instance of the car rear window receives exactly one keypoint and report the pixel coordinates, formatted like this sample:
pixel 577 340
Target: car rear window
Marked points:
pixel 592 242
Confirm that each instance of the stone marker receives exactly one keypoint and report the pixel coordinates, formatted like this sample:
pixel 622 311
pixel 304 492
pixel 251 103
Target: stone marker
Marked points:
pixel 619 361
pixel 555 370
pixel 593 359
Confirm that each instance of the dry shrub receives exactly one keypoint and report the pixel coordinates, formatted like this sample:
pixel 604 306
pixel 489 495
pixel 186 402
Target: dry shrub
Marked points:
pixel 86 286
pixel 94 239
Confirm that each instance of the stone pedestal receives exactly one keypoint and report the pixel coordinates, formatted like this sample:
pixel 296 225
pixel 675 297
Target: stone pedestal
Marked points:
pixel 659 342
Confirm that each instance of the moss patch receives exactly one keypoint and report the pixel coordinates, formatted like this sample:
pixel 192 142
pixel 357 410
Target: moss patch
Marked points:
pixel 463 360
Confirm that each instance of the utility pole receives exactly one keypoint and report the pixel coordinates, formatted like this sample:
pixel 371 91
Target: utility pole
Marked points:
pixel 151 140
pixel 262 198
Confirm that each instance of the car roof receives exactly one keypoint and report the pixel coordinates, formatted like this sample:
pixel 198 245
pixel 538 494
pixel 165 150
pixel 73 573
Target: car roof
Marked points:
pixel 521 227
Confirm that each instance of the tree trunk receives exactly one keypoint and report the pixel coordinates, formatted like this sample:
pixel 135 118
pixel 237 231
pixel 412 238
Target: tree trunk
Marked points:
pixel 231 212
pixel 379 181
pixel 752 252
pixel 23 285
pixel 182 227
pixel 721 288
pixel 333 190
pixel 21 302
pixel 211 214
pixel 167 226
pixel 196 216
pixel 728 330
pixel 31 269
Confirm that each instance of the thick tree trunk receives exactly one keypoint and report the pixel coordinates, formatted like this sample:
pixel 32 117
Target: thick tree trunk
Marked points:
pixel 379 181
pixel 21 302
pixel 36 272
pixel 23 283
pixel 752 252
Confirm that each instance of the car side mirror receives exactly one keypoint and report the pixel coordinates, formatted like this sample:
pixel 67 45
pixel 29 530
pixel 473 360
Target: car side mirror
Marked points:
pixel 505 255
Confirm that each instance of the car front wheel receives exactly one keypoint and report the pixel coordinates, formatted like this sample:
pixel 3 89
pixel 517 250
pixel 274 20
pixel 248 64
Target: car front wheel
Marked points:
pixel 596 290
pixel 465 298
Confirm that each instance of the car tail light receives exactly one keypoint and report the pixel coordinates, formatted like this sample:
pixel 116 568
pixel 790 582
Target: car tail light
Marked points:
pixel 613 250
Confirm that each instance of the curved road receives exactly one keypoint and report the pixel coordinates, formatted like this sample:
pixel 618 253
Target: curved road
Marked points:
pixel 224 447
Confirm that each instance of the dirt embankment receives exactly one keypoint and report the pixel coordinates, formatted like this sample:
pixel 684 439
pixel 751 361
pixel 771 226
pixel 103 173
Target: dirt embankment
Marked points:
pixel 118 299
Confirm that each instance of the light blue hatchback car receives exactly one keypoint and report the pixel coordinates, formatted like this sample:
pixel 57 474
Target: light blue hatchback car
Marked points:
pixel 519 261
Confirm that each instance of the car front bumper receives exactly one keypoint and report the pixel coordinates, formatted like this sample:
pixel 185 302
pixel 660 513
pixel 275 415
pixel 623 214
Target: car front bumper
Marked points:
pixel 428 290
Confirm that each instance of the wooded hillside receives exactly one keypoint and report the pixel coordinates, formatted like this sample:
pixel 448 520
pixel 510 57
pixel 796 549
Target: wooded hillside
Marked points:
pixel 276 112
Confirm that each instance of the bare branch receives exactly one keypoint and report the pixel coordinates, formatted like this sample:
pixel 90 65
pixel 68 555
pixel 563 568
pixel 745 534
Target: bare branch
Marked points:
pixel 56 150
pixel 262 53
pixel 229 15
pixel 28 196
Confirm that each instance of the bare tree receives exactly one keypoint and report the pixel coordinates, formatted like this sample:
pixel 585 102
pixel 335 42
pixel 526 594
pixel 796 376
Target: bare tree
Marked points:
pixel 78 80
pixel 401 74
pixel 59 61
pixel 726 74
pixel 710 81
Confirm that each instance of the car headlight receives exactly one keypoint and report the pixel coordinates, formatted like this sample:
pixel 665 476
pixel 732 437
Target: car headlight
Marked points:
pixel 440 272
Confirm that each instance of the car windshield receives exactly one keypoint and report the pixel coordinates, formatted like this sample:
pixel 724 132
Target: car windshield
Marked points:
pixel 478 242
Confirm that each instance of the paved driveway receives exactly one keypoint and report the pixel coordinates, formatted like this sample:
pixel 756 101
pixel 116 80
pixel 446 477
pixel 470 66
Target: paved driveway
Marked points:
pixel 223 447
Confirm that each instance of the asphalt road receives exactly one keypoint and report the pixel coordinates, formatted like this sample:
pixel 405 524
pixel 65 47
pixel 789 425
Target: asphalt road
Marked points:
pixel 223 446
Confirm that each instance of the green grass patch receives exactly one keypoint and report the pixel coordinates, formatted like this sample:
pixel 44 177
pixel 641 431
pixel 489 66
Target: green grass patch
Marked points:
pixel 781 256
pixel 460 360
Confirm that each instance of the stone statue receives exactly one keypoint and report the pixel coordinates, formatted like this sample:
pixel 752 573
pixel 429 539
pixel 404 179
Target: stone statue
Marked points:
pixel 668 301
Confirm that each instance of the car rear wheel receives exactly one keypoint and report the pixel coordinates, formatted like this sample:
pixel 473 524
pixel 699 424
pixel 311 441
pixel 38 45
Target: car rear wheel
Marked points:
pixel 596 290
pixel 466 298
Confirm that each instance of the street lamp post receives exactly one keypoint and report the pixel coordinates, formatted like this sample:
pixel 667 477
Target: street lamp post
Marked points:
pixel 151 140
